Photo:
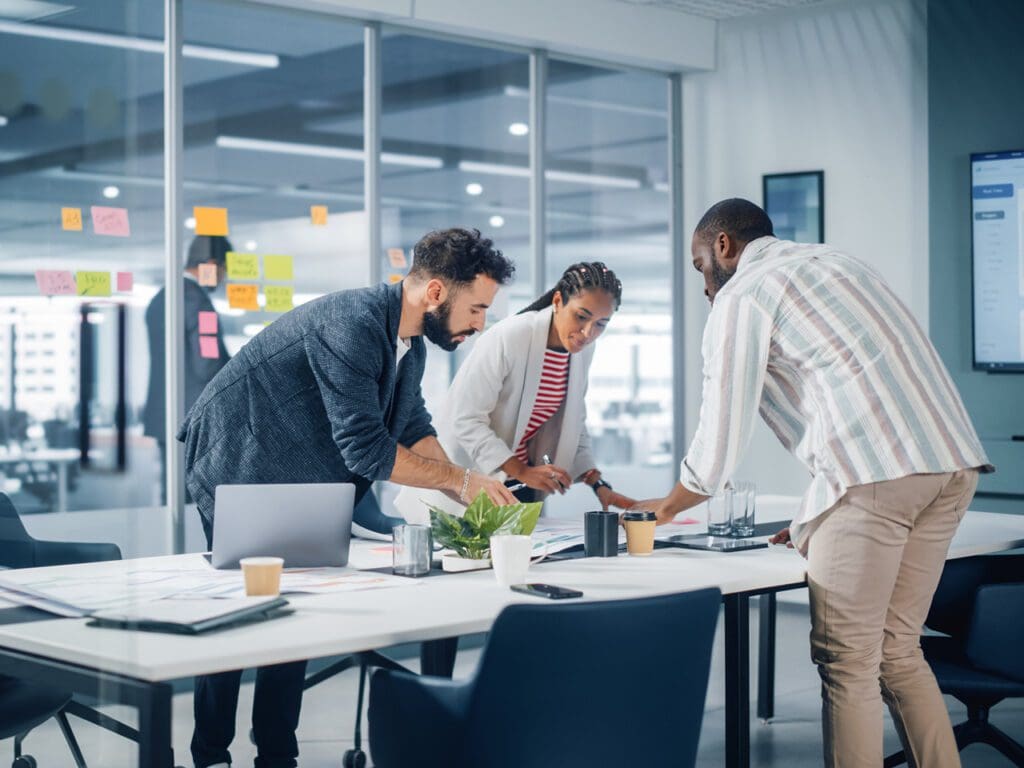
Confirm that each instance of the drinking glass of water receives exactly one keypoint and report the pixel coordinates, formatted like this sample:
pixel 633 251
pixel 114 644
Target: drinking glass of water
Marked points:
pixel 743 508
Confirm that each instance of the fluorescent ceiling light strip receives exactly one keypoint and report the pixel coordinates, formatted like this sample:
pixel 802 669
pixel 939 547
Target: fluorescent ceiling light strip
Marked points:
pixel 495 169
pixel 49 32
pixel 595 179
pixel 320 150
pixel 514 91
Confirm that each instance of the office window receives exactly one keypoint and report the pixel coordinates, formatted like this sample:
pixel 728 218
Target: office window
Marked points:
pixel 81 209
pixel 607 199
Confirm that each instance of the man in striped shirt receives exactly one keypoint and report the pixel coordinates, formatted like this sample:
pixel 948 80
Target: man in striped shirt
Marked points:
pixel 847 380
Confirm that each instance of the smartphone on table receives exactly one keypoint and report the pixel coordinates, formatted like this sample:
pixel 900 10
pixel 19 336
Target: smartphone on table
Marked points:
pixel 550 591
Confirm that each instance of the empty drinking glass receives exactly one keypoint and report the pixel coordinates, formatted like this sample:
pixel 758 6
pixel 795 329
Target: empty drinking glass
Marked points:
pixel 412 550
pixel 720 513
pixel 743 508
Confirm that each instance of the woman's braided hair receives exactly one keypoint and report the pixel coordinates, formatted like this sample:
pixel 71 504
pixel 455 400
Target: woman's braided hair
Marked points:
pixel 585 276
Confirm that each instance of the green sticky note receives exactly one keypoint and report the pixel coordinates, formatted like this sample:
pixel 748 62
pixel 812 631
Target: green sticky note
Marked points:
pixel 279 298
pixel 93 283
pixel 243 266
pixel 278 268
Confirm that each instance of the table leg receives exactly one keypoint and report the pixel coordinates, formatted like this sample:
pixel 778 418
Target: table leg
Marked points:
pixel 154 707
pixel 766 657
pixel 437 657
pixel 62 486
pixel 737 681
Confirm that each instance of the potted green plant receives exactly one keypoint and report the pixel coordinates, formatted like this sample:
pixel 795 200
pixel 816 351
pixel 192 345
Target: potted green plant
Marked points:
pixel 469 537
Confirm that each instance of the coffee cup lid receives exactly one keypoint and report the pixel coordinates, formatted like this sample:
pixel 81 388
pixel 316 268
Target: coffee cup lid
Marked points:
pixel 641 515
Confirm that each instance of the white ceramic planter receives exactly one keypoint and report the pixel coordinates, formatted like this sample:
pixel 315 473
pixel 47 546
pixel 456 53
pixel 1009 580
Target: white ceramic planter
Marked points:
pixel 455 564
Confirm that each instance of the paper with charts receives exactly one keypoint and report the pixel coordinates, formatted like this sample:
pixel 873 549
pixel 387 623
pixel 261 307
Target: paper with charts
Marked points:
pixel 124 584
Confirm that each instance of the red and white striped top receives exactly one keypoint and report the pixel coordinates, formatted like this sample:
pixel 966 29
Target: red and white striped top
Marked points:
pixel 554 381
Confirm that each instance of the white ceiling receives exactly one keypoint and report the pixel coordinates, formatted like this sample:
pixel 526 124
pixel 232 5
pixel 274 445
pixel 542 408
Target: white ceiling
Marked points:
pixel 725 9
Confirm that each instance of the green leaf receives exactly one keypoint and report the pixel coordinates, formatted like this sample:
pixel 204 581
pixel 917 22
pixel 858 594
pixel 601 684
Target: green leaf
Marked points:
pixel 470 535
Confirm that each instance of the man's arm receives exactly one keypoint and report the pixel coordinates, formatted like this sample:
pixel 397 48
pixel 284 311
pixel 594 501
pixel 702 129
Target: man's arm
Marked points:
pixel 465 485
pixel 678 500
pixel 430 448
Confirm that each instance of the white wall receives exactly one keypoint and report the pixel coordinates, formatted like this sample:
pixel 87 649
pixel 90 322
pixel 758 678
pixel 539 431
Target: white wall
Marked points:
pixel 840 87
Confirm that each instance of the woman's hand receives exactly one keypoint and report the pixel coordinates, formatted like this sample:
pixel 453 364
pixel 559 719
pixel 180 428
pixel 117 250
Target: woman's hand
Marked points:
pixel 782 537
pixel 547 478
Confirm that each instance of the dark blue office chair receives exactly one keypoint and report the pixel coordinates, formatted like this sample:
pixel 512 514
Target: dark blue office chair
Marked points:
pixel 571 685
pixel 24 705
pixel 979 603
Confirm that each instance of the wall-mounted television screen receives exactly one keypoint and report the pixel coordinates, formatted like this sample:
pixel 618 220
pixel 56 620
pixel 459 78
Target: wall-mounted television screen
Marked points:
pixel 997 233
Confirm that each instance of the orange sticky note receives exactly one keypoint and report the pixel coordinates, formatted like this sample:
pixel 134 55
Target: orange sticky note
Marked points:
pixel 207 322
pixel 71 219
pixel 208 347
pixel 318 213
pixel 397 258
pixel 211 221
pixel 243 296
pixel 394 279
pixel 208 275
pixel 110 221
pixel 56 282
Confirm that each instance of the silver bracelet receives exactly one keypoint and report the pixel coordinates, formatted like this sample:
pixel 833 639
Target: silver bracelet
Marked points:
pixel 465 487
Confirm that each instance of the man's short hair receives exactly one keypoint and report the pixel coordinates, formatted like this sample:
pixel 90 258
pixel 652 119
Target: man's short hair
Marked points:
pixel 741 219
pixel 206 248
pixel 457 256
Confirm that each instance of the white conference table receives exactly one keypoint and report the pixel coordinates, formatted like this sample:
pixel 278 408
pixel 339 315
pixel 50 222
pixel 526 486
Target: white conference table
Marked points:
pixel 135 668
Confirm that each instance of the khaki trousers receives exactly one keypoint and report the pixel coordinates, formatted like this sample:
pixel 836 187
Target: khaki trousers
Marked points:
pixel 874 560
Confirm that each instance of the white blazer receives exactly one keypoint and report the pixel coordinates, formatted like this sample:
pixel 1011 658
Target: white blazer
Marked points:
pixel 488 407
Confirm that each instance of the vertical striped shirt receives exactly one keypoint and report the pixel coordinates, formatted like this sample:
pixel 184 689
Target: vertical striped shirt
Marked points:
pixel 839 370
pixel 554 381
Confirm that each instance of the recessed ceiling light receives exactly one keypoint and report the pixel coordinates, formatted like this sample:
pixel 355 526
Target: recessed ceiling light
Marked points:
pixel 519 129
pixel 250 245
pixel 497 221
pixel 190 223
pixel 111 192
pixel 474 189
pixel 3 121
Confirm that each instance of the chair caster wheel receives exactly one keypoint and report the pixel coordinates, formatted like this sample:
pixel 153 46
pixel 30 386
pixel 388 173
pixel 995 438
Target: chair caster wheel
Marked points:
pixel 25 761
pixel 354 758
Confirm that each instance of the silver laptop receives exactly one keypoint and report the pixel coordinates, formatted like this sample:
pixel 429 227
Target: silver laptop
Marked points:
pixel 308 524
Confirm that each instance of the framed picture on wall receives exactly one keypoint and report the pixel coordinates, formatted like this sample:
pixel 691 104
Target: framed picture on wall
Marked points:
pixel 795 202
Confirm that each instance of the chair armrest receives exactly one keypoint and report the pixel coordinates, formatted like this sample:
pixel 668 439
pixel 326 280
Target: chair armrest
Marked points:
pixel 416 720
pixel 996 632
pixel 68 552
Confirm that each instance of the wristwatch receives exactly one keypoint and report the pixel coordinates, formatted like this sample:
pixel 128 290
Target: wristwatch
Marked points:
pixel 601 483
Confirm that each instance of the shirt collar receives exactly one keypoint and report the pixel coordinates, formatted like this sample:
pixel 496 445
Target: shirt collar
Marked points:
pixel 755 251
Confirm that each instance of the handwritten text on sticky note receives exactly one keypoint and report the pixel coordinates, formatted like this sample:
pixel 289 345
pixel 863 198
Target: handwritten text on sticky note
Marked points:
pixel 110 221
pixel 278 268
pixel 93 283
pixel 208 347
pixel 279 297
pixel 318 213
pixel 56 282
pixel 243 266
pixel 211 221
pixel 207 322
pixel 243 296
pixel 71 219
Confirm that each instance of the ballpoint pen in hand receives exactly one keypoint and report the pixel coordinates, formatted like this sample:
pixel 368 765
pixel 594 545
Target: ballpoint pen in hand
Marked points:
pixel 547 460
pixel 517 487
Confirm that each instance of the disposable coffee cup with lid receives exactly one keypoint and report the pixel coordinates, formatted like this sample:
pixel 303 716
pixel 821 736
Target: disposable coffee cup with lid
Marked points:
pixel 639 525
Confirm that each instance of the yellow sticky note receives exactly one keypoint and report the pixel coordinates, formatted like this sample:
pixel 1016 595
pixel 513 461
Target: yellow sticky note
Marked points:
pixel 279 298
pixel 211 221
pixel 243 266
pixel 318 213
pixel 93 283
pixel 71 219
pixel 278 268
pixel 243 296
pixel 394 279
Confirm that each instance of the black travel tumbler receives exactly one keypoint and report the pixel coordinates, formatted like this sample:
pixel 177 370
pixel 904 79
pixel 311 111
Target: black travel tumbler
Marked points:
pixel 600 534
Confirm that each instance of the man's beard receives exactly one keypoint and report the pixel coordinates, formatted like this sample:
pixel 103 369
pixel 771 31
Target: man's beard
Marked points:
pixel 719 275
pixel 437 328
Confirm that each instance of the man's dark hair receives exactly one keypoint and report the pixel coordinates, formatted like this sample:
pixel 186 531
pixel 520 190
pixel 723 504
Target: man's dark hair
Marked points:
pixel 740 219
pixel 457 256
pixel 206 248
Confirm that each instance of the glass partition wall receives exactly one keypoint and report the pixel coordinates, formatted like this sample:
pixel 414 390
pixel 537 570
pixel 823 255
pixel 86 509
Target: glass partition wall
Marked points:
pixel 274 157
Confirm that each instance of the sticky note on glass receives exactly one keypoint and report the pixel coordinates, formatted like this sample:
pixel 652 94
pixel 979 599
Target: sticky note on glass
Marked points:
pixel 93 283
pixel 397 258
pixel 394 279
pixel 125 281
pixel 208 275
pixel 243 266
pixel 207 322
pixel 278 268
pixel 211 221
pixel 279 298
pixel 56 282
pixel 110 221
pixel 71 219
pixel 242 296
pixel 318 213
pixel 208 347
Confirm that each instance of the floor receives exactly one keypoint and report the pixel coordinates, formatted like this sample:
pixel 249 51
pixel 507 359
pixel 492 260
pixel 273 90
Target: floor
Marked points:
pixel 792 739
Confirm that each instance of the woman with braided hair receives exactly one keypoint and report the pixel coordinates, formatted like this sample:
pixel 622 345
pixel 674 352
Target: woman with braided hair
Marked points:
pixel 516 407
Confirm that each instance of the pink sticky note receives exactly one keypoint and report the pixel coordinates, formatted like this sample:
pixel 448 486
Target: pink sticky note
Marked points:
pixel 208 347
pixel 56 282
pixel 110 221
pixel 208 322
pixel 125 282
